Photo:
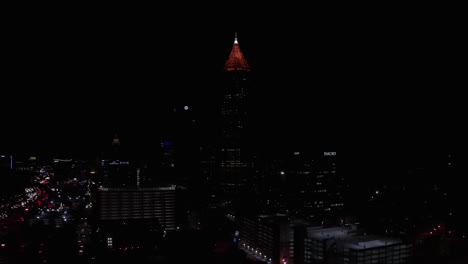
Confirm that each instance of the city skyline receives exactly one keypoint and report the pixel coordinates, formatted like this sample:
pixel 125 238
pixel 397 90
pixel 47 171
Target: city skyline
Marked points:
pixel 275 146
pixel 302 100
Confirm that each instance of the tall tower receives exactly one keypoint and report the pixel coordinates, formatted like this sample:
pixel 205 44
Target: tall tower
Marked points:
pixel 234 160
pixel 234 108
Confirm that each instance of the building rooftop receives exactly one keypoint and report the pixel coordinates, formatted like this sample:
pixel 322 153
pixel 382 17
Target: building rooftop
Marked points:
pixel 164 188
pixel 371 242
pixel 319 233
pixel 349 237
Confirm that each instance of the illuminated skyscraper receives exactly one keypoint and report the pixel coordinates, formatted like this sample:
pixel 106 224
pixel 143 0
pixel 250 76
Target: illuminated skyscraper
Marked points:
pixel 233 157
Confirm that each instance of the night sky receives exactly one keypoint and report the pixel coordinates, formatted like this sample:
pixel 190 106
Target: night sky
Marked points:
pixel 377 82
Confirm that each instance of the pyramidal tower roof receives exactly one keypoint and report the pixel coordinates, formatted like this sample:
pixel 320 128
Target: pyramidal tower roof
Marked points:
pixel 236 60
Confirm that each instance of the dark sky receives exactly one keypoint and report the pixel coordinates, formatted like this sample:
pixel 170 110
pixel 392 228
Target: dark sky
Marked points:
pixel 372 81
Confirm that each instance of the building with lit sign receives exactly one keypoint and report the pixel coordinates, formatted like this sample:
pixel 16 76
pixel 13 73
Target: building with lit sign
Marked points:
pixel 305 184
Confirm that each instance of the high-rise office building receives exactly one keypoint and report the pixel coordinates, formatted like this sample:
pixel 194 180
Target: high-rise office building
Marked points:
pixel 227 165
pixel 129 198
pixel 330 185
pixel 233 156
pixel 305 184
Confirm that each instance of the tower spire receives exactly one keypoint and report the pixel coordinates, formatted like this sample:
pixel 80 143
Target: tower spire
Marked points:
pixel 236 60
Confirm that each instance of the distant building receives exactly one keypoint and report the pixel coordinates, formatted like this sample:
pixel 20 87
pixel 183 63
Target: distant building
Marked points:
pixel 6 165
pixel 117 169
pixel 168 161
pixel 118 173
pixel 6 162
pixel 306 184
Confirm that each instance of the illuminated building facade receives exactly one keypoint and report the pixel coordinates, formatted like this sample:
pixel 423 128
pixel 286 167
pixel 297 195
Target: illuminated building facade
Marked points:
pixel 268 238
pixel 129 198
pixel 144 203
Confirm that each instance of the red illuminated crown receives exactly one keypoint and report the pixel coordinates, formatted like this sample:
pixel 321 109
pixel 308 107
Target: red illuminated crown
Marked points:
pixel 236 60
